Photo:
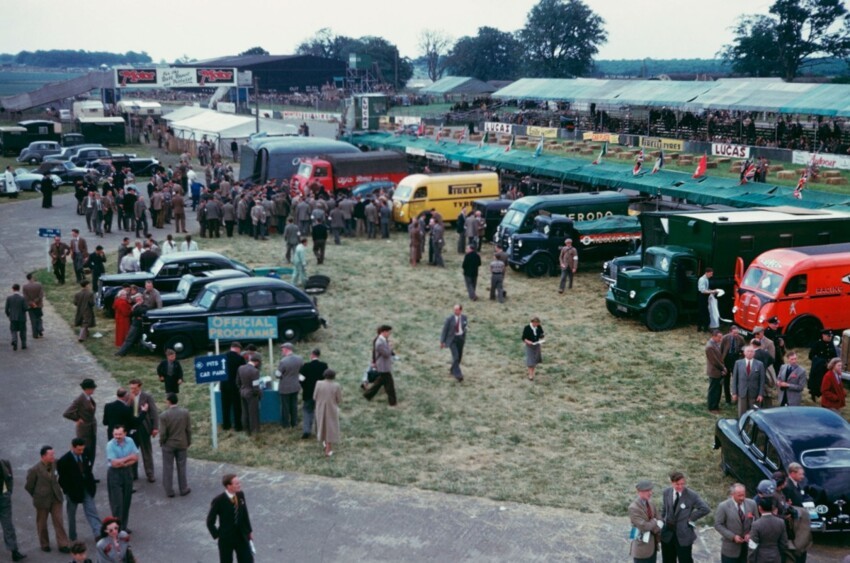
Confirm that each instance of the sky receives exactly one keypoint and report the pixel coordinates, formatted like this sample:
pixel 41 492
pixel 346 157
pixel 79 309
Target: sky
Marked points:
pixel 637 29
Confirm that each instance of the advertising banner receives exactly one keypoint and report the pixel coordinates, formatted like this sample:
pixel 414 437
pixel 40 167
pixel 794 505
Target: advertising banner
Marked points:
pixel 312 115
pixel 659 143
pixel 600 137
pixel 730 150
pixel 241 328
pixel 547 132
pixel 804 158
pixel 495 127
pixel 172 77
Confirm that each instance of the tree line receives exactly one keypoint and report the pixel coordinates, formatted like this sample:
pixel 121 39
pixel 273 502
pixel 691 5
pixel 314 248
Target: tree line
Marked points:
pixel 68 58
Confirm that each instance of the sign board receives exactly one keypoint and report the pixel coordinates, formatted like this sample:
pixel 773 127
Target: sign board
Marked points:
pixel 46 232
pixel 656 143
pixel 209 369
pixel 546 132
pixel 730 150
pixel 242 328
pixel 174 77
pixel 497 127
pixel 822 160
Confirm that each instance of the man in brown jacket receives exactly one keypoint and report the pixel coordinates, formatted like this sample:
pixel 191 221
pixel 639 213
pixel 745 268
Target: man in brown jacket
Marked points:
pixel 83 412
pixel 178 213
pixel 175 437
pixel 646 525
pixel 43 486
pixel 33 293
pixel 715 369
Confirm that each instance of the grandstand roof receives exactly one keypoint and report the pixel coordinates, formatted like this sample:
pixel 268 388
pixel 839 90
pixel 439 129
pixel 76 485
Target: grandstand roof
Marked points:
pixel 458 85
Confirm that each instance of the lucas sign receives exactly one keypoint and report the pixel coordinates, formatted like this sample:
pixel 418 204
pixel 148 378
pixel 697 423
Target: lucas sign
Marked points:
pixel 242 328
pixel 729 150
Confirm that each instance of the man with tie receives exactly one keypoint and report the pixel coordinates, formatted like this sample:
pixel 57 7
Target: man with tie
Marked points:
pixel 747 381
pixel 77 482
pixel 46 494
pixel 644 518
pixel 795 487
pixel 680 509
pixel 733 520
pixel 174 440
pixel 145 425
pixel 732 350
pixel 454 338
pixel 791 380
pixel 233 532
pixel 79 253
pixel 9 536
pixel 82 412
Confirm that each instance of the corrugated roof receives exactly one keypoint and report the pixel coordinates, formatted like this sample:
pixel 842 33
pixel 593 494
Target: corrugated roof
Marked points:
pixel 458 85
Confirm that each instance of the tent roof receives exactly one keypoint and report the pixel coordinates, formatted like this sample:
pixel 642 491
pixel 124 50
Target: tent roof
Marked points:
pixel 458 85
pixel 184 113
pixel 230 126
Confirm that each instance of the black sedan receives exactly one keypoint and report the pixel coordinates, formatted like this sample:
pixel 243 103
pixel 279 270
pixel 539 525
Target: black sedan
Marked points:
pixel 139 166
pixel 183 328
pixel 764 441
pixel 165 273
pixel 65 169
pixel 191 285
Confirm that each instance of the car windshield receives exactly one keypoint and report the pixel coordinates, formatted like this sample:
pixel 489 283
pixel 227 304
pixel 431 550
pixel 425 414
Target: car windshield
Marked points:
pixel 183 287
pixel 513 218
pixel 832 458
pixel 402 193
pixel 157 266
pixel 206 298
pixel 762 280
pixel 657 261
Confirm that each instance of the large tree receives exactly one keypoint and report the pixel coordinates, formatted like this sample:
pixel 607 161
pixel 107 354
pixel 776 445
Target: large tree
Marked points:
pixel 560 38
pixel 325 43
pixel 254 51
pixel 434 45
pixel 490 55
pixel 796 35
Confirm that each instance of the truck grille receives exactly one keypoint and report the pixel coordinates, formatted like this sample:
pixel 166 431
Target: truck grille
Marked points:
pixel 749 309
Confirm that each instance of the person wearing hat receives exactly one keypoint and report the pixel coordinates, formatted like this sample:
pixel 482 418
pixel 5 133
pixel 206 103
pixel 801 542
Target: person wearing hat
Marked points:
pixel 248 382
pixel 773 333
pixel 820 353
pixel 767 344
pixel 289 375
pixel 768 538
pixel 382 363
pixel 82 412
pixel 681 507
pixel 733 520
pixel 646 525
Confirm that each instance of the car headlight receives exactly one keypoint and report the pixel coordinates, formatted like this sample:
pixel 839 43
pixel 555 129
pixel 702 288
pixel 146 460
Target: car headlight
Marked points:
pixel 632 294
pixel 604 265
pixel 519 244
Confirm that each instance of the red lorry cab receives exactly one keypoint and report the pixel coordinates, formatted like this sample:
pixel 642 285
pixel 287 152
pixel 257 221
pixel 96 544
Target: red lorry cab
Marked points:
pixel 335 172
pixel 807 288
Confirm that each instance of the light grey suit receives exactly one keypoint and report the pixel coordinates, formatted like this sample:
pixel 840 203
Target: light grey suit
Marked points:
pixel 175 437
pixel 455 342
pixel 772 539
pixel 747 387
pixel 796 379
pixel 678 535
pixel 728 524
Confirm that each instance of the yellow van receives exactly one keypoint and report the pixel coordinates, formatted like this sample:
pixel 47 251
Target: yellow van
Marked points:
pixel 445 193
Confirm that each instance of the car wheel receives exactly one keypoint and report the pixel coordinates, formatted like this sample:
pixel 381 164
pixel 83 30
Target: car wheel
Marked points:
pixel 514 267
pixel 36 186
pixel 661 315
pixel 612 308
pixel 181 345
pixel 290 334
pixel 538 267
pixel 803 332
pixel 33 160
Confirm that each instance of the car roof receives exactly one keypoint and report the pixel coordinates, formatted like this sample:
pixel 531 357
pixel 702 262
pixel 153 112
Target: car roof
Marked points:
pixel 247 283
pixel 195 254
pixel 225 273
pixel 804 428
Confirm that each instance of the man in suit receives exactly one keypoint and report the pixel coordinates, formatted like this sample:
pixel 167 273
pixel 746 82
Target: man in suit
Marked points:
pixel 289 375
pixel 145 425
pixel 59 252
pixel 680 509
pixel 33 293
pixel 79 253
pixel 453 337
pixel 10 538
pixel 791 381
pixel 46 494
pixel 118 412
pixel 733 520
pixel 175 438
pixel 768 533
pixel 747 381
pixel 247 378
pixel 16 311
pixel 77 482
pixel 313 371
pixel 732 349
pixel 233 532
pixel 382 362
pixel 170 372
pixel 82 411
pixel 644 518
pixel 715 370
pixel 795 486
pixel 231 403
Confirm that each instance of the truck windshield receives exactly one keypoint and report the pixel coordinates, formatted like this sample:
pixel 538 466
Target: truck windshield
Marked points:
pixel 305 170
pixel 513 218
pixel 402 193
pixel 657 261
pixel 762 280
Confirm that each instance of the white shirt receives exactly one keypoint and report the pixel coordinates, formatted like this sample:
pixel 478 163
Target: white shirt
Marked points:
pixel 184 247
pixel 168 248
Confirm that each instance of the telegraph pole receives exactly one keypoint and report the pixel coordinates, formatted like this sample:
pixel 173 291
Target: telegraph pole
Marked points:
pixel 257 101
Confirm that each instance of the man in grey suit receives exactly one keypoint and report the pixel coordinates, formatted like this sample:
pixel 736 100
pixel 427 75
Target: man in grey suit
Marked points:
pixel 16 310
pixel 791 381
pixel 9 536
pixel 454 337
pixel 382 362
pixel 175 437
pixel 680 509
pixel 145 425
pixel 289 374
pixel 769 534
pixel 747 381
pixel 733 520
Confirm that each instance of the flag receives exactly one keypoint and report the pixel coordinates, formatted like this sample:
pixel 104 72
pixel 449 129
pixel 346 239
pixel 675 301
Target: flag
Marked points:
pixel 510 144
pixel 804 178
pixel 439 133
pixel 539 150
pixel 602 153
pixel 462 137
pixel 748 171
pixel 421 129
pixel 702 165
pixel 638 163
pixel 484 139
pixel 659 163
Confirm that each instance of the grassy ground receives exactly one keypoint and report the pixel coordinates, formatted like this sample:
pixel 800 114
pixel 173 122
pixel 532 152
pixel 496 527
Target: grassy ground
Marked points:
pixel 612 402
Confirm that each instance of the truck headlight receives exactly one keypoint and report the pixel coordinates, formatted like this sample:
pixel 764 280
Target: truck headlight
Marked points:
pixel 632 294
pixel 761 319
pixel 734 309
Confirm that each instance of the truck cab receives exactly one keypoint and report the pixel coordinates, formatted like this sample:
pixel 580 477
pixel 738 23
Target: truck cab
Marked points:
pixel 311 171
pixel 538 252
pixel 660 291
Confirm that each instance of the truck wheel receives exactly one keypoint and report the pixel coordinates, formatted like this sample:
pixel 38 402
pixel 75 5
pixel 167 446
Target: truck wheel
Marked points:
pixel 612 308
pixel 538 267
pixel 803 332
pixel 661 315
pixel 181 345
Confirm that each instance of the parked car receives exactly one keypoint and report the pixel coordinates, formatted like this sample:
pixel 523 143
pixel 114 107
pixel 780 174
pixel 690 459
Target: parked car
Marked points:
pixel 764 441
pixel 165 273
pixel 139 166
pixel 29 180
pixel 66 170
pixel 68 152
pixel 191 285
pixel 183 328
pixel 37 150
pixel 85 156
pixel 368 188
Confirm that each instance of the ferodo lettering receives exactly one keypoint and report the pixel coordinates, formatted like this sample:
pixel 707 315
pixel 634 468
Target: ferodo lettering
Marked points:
pixel 465 189
pixel 590 215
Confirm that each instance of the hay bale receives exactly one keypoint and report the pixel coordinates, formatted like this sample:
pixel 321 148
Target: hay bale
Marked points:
pixel 835 181
pixel 786 175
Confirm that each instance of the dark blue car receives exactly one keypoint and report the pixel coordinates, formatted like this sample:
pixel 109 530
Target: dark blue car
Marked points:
pixel 367 189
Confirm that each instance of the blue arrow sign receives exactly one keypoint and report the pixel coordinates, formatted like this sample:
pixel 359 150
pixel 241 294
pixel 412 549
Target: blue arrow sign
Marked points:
pixel 46 232
pixel 209 369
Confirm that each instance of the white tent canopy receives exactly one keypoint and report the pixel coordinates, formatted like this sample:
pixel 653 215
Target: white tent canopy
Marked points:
pixel 184 112
pixel 223 128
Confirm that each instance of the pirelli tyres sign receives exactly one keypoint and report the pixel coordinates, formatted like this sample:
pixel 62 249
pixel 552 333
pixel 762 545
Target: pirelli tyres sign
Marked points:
pixel 173 77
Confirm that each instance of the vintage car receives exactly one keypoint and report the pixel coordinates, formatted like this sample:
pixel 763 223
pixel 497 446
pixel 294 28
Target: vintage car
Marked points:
pixel 165 273
pixel 368 188
pixel 29 181
pixel 183 328
pixel 191 285
pixel 139 166
pixel 66 170
pixel 37 150
pixel 764 441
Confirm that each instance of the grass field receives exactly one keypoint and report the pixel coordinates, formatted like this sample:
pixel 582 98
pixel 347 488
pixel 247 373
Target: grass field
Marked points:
pixel 612 402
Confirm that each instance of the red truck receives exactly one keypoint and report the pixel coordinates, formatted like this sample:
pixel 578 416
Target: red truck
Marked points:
pixel 336 172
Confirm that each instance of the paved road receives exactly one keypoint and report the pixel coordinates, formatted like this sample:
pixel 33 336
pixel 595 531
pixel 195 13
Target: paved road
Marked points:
pixel 296 517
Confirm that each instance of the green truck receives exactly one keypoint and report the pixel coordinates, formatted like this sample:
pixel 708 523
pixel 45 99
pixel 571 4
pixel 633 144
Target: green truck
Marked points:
pixel 677 247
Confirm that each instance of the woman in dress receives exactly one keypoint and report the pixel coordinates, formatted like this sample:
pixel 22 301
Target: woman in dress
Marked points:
pixel 113 545
pixel 532 335
pixel 123 308
pixel 328 396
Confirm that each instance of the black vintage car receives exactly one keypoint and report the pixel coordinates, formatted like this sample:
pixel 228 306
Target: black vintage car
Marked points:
pixel 183 328
pixel 764 441
pixel 67 171
pixel 191 285
pixel 166 273
pixel 139 166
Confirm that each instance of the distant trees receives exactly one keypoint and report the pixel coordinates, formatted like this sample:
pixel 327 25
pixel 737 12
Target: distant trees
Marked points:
pixel 63 58
pixel 254 51
pixel 434 46
pixel 490 55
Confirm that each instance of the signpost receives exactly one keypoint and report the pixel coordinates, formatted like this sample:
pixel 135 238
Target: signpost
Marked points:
pixel 48 234
pixel 209 369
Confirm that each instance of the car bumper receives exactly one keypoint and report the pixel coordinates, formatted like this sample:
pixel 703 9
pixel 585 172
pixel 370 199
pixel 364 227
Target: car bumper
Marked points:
pixel 146 342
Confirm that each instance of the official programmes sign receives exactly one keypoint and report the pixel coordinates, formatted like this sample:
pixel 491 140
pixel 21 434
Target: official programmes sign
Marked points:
pixel 730 150
pixel 659 143
pixel 173 77
pixel 241 328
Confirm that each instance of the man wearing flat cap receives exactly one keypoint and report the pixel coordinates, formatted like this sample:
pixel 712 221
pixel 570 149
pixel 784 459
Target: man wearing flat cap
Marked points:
pixel 82 412
pixel 646 525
